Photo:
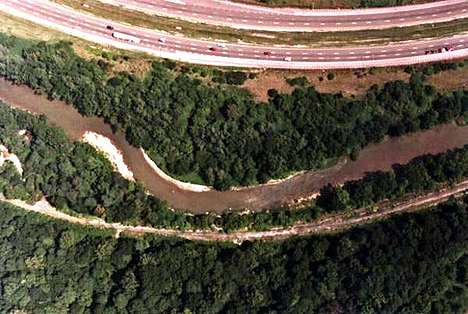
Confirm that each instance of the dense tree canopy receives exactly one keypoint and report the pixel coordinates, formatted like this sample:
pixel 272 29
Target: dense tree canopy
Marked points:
pixel 415 263
pixel 218 133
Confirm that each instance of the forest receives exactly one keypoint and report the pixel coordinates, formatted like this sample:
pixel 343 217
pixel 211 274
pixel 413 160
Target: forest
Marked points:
pixel 412 263
pixel 76 178
pixel 217 133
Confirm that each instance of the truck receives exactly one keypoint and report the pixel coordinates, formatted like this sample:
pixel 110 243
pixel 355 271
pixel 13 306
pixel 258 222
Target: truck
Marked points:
pixel 126 37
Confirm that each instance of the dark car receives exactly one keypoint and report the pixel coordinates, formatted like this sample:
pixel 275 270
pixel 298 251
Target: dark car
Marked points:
pixel 267 53
pixel 110 27
pixel 212 49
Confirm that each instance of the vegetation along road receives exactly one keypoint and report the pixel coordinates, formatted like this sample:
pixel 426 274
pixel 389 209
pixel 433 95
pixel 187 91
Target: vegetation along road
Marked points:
pixel 243 55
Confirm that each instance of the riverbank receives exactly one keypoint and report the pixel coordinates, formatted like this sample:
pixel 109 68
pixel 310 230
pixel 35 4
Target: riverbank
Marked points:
pixel 375 157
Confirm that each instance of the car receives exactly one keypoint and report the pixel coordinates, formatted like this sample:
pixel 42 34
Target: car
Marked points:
pixel 221 45
pixel 267 53
pixel 110 27
pixel 162 40
pixel 287 59
pixel 212 49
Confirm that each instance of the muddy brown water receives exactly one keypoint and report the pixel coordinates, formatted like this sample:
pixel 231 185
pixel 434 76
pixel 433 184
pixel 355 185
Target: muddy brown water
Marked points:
pixel 375 157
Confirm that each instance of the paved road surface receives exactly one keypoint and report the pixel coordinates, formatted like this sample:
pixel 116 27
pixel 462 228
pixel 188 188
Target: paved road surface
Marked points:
pixel 241 55
pixel 243 16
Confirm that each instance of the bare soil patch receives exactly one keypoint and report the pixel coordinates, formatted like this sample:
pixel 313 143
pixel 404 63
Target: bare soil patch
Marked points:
pixel 348 82
pixel 451 79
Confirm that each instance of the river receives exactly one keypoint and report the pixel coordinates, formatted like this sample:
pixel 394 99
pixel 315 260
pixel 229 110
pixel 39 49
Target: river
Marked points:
pixel 374 157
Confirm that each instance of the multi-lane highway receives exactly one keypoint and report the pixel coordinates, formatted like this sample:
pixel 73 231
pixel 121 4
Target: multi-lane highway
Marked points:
pixel 243 55
pixel 243 16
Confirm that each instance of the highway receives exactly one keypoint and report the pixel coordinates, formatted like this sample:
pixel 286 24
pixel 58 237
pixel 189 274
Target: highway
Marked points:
pixel 241 16
pixel 239 55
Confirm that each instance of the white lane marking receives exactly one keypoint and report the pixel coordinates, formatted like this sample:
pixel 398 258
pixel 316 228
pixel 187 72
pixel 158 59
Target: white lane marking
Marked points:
pixel 173 1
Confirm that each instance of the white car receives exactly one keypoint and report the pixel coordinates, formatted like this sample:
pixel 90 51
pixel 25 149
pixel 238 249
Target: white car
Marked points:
pixel 287 59
pixel 221 45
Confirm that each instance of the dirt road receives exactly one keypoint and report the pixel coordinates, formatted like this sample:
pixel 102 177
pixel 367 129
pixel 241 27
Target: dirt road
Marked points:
pixel 329 224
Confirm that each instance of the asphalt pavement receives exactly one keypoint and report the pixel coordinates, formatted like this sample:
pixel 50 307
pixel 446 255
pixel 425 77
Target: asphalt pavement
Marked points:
pixel 241 16
pixel 232 54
